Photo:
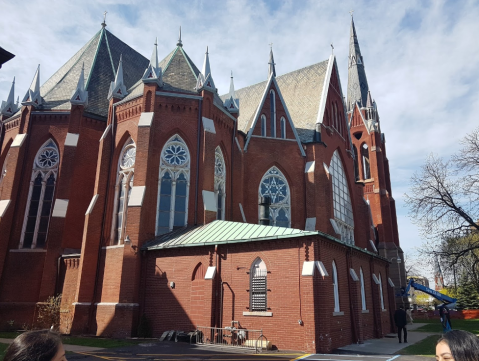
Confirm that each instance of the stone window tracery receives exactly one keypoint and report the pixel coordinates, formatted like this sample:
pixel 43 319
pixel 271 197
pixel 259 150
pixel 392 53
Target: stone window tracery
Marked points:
pixel 220 183
pixel 123 187
pixel 40 197
pixel 343 210
pixel 173 186
pixel 275 186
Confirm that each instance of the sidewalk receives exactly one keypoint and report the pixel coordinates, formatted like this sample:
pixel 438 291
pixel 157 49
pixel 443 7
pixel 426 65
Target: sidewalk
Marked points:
pixel 386 345
pixel 73 348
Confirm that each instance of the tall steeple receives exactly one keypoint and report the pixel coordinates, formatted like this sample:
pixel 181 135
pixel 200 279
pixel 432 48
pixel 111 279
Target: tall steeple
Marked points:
pixel 9 107
pixel 357 81
pixel 271 68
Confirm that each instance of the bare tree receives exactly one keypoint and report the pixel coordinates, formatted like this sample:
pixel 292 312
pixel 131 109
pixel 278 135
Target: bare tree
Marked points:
pixel 444 203
pixel 444 197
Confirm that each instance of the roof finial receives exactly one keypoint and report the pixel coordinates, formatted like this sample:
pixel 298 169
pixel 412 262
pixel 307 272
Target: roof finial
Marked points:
pixel 103 24
pixel 351 12
pixel 179 43
pixel 231 103
pixel 332 49
pixel 272 69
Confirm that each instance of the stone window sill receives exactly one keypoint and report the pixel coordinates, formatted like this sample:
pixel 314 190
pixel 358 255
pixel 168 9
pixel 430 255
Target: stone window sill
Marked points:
pixel 365 311
pixel 258 313
pixel 341 313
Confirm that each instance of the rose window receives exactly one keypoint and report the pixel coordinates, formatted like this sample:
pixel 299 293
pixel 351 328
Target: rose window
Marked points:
pixel 128 158
pixel 176 155
pixel 48 158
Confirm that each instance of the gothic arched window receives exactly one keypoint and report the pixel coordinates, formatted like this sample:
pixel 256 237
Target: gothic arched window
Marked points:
pixel 263 125
pixel 220 183
pixel 381 291
pixel 335 115
pixel 275 186
pixel 258 286
pixel 273 113
pixel 336 288
pixel 356 167
pixel 123 186
pixel 173 187
pixel 283 128
pixel 343 210
pixel 363 293
pixel 40 196
pixel 365 158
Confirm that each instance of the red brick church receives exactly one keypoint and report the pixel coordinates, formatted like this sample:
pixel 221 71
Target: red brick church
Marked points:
pixel 131 187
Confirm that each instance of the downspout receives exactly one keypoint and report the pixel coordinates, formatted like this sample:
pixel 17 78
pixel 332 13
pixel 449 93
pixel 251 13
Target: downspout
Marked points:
pixel 105 206
pixel 198 143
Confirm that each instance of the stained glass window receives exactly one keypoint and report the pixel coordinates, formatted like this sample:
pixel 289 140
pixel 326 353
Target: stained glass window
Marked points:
pixel 220 183
pixel 124 185
pixel 343 210
pixel 275 186
pixel 172 208
pixel 40 197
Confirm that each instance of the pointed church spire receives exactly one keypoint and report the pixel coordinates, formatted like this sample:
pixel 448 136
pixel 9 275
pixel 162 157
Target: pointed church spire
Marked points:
pixel 153 73
pixel 117 87
pixel 369 101
pixel 9 107
pixel 32 97
pixel 80 95
pixel 271 68
pixel 205 79
pixel 231 103
pixel 179 43
pixel 357 81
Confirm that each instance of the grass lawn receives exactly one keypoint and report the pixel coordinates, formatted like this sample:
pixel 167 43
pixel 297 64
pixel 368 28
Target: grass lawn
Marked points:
pixel 426 347
pixel 81 341
pixel 434 325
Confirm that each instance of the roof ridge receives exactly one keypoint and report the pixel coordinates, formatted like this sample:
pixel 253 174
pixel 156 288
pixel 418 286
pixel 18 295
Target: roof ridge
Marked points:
pixel 109 53
pixel 86 47
pixel 94 59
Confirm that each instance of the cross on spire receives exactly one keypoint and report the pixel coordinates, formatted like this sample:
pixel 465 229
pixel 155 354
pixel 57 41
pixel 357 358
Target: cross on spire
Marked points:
pixel 103 24
pixel 332 48
pixel 351 12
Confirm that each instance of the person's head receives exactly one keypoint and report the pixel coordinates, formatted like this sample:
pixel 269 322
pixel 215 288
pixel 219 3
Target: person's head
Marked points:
pixel 43 345
pixel 401 307
pixel 457 345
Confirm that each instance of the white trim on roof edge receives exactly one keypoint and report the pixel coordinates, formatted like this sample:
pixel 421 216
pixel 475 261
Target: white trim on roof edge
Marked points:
pixel 324 94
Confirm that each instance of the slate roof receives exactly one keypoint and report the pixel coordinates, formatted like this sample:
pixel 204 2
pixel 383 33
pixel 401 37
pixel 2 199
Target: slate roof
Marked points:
pixel 101 56
pixel 301 90
pixel 221 232
pixel 357 80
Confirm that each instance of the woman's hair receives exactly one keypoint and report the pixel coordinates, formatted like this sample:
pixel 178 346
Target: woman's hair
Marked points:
pixel 34 346
pixel 464 345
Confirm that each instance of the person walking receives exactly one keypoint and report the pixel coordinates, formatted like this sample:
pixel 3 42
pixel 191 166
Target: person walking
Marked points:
pixel 401 321
pixel 445 318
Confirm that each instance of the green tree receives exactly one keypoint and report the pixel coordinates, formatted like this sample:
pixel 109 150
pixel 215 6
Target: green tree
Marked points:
pixel 467 295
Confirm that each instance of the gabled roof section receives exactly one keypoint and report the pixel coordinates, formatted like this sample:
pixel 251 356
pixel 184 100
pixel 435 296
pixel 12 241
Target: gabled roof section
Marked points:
pixel 301 90
pixel 272 80
pixel 100 57
pixel 179 72
pixel 221 232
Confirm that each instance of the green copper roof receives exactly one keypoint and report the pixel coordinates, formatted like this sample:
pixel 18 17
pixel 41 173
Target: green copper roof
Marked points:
pixel 220 232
